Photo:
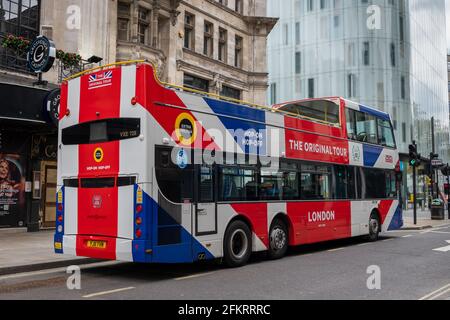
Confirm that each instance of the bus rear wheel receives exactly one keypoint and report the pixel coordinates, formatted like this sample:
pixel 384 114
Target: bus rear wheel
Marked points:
pixel 278 240
pixel 374 227
pixel 237 244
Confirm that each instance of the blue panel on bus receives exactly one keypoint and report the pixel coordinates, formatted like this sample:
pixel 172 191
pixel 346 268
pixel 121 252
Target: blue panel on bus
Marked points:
pixel 374 112
pixel 250 135
pixel 59 225
pixel 397 220
pixel 371 155
pixel 186 250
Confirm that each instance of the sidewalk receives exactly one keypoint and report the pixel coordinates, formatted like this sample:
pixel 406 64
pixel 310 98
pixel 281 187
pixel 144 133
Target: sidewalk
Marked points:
pixel 423 220
pixel 23 252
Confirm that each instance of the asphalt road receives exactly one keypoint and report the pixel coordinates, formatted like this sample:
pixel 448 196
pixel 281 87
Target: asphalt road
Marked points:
pixel 409 269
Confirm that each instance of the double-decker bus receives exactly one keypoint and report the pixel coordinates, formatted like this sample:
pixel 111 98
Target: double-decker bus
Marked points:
pixel 153 173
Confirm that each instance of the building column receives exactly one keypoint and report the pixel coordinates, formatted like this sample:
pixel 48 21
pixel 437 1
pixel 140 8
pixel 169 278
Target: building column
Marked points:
pixel 154 27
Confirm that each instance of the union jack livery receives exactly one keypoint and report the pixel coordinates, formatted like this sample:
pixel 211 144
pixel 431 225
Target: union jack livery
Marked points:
pixel 150 172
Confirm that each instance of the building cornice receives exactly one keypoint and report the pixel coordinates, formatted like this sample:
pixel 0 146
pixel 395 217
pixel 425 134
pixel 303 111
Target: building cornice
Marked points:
pixel 258 22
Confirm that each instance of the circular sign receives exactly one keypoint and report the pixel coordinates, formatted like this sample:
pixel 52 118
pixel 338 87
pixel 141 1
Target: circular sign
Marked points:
pixel 182 159
pixel 98 155
pixel 42 55
pixel 52 103
pixel 185 129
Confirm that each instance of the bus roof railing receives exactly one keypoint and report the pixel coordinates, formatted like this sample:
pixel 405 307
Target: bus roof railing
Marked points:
pixel 174 86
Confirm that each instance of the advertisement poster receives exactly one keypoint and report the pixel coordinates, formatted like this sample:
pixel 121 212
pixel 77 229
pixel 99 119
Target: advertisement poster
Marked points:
pixel 12 187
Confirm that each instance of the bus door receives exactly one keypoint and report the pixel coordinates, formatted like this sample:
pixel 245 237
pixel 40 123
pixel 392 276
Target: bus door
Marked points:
pixel 205 209
pixel 172 228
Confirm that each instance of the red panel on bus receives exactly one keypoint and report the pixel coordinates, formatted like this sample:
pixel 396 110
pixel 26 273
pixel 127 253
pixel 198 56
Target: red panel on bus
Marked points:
pixel 100 95
pixel 320 221
pixel 99 159
pixel 383 208
pixel 98 211
pixel 314 147
pixel 257 214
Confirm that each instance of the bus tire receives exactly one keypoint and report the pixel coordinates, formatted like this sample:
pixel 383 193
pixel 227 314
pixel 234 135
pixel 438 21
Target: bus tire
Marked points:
pixel 237 246
pixel 278 240
pixel 374 227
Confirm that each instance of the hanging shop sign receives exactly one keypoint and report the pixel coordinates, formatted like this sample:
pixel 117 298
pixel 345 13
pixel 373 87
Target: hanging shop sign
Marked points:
pixel 42 55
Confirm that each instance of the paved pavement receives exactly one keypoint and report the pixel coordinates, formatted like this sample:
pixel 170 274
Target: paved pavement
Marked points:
pixel 21 251
pixel 409 269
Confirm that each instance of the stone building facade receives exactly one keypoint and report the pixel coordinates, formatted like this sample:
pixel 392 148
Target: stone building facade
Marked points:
pixel 210 45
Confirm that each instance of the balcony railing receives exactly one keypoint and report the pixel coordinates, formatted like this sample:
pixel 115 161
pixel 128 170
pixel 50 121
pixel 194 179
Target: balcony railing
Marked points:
pixel 10 60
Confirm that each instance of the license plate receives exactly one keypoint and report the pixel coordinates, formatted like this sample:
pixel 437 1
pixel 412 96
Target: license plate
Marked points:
pixel 96 244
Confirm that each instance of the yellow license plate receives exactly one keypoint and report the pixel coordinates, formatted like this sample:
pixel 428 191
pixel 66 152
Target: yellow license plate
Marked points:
pixel 96 244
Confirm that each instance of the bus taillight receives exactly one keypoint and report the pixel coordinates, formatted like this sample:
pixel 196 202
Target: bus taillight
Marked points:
pixel 60 218
pixel 138 221
pixel 60 207
pixel 138 233
pixel 139 208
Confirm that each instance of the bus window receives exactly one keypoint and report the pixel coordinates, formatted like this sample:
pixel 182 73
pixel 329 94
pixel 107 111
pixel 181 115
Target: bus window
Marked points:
pixel 206 190
pixel 102 131
pixel 271 187
pixel 366 128
pixel 375 183
pixel 340 183
pixel 237 184
pixel 351 121
pixel 351 178
pixel 321 110
pixel 315 182
pixel 174 183
pixel 391 185
pixel 385 134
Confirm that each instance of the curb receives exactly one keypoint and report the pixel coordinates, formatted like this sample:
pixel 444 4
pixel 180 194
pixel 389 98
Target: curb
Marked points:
pixel 12 230
pixel 45 266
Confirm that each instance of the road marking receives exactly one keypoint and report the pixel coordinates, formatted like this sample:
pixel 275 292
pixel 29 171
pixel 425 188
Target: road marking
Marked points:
pixel 441 232
pixel 386 240
pixel 438 291
pixel 443 249
pixel 194 276
pixel 56 270
pixel 407 236
pixel 107 292
pixel 337 249
pixel 363 244
pixel 440 294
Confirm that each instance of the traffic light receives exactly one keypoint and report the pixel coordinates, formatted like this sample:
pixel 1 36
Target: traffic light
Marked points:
pixel 414 157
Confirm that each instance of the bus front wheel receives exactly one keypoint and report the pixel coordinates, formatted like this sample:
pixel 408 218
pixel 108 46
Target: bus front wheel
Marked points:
pixel 278 237
pixel 237 244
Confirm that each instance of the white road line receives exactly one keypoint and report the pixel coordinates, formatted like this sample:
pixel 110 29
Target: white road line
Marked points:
pixel 56 270
pixel 194 276
pixel 442 232
pixel 337 249
pixel 431 294
pixel 440 294
pixel 107 292
pixel 407 236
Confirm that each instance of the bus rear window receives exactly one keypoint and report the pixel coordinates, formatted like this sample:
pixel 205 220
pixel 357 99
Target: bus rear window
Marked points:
pixel 102 131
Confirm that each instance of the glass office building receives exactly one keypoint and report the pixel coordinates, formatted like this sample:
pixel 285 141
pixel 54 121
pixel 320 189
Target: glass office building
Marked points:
pixel 390 54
